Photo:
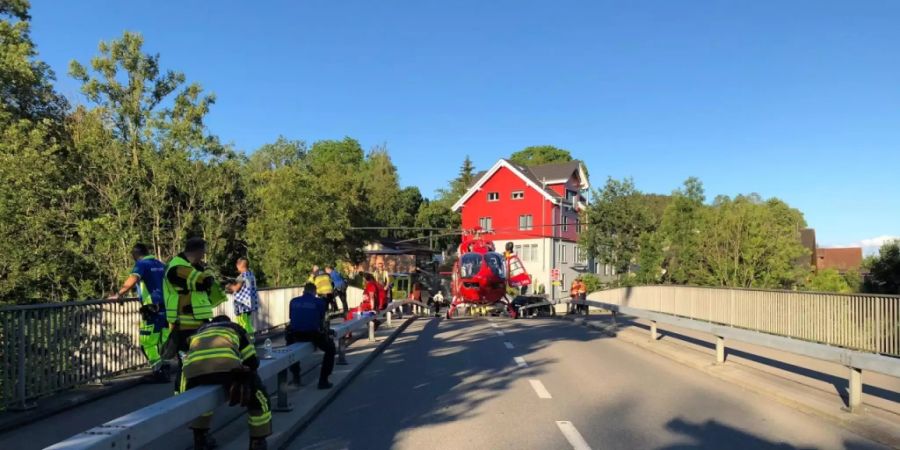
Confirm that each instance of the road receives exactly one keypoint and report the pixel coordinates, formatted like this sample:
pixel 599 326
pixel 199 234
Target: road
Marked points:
pixel 546 384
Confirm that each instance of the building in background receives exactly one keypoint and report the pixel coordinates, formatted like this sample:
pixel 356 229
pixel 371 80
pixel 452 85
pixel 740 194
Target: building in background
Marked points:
pixel 537 209
pixel 841 259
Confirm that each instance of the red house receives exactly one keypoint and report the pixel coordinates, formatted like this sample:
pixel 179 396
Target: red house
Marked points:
pixel 536 208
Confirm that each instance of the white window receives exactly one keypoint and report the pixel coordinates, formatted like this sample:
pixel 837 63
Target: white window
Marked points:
pixel 518 195
pixel 565 224
pixel 532 252
pixel 562 253
pixel 485 223
pixel 518 250
pixel 579 255
pixel 606 269
pixel 562 281
pixel 526 222
pixel 493 196
pixel 571 195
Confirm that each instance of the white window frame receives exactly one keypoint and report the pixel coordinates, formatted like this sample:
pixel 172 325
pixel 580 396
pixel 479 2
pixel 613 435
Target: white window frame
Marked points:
pixel 565 224
pixel 562 282
pixel 562 254
pixel 493 196
pixel 518 249
pixel 486 223
pixel 518 195
pixel 528 220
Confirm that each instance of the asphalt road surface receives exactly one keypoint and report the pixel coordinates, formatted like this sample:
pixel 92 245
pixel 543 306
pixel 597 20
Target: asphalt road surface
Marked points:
pixel 546 384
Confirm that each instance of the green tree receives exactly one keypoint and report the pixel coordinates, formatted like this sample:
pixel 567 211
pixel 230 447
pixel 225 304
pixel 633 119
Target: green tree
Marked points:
pixel 616 220
pixel 748 242
pixel 884 270
pixel 828 280
pixel 37 173
pixel 540 154
pixel 650 261
pixel 680 232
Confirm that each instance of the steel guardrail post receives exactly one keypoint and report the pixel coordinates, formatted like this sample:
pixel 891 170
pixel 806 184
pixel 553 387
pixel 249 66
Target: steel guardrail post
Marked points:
pixel 720 350
pixel 854 394
pixel 282 404
pixel 372 331
pixel 20 360
pixel 388 319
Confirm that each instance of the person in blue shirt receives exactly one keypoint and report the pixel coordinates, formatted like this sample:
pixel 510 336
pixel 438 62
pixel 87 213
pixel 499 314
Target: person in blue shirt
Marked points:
pixel 340 286
pixel 147 277
pixel 307 324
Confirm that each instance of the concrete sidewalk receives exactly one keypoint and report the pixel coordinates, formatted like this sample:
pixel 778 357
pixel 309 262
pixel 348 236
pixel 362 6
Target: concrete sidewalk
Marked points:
pixel 812 386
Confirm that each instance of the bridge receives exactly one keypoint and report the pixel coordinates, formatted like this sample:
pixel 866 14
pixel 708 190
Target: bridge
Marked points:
pixel 646 367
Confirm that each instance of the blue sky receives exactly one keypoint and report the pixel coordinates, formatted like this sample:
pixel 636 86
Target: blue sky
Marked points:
pixel 798 99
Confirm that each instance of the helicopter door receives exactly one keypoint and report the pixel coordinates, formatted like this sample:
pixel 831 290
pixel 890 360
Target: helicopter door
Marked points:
pixel 518 277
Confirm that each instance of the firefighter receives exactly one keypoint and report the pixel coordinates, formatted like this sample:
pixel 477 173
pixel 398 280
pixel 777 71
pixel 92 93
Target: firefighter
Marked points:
pixel 190 294
pixel 221 354
pixel 147 276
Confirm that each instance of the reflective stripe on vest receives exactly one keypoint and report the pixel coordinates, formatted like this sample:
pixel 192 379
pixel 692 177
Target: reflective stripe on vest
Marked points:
pixel 198 300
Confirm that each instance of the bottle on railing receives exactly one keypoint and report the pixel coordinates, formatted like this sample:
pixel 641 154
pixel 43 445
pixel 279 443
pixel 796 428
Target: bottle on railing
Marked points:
pixel 267 349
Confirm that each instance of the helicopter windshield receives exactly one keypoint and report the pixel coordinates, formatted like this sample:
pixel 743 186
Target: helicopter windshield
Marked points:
pixel 469 264
pixel 495 262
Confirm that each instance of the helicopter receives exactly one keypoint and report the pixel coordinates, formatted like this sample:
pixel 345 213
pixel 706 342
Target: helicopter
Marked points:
pixel 481 275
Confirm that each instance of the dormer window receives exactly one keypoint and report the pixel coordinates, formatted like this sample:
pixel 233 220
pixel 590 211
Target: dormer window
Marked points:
pixel 518 195
pixel 493 196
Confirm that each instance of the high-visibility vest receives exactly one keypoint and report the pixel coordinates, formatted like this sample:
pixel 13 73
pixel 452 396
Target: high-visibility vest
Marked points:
pixel 189 308
pixel 217 348
pixel 323 284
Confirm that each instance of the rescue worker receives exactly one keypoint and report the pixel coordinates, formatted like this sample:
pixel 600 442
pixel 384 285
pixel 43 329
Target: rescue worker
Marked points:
pixel 246 297
pixel 147 276
pixel 340 286
pixel 221 353
pixel 307 324
pixel 324 289
pixel 313 273
pixel 190 293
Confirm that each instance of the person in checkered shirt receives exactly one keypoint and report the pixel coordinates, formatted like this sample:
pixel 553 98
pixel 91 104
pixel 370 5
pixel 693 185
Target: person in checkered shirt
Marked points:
pixel 246 299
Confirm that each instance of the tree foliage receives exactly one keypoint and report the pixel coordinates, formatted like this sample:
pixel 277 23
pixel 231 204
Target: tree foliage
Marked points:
pixel 884 270
pixel 540 154
pixel 828 280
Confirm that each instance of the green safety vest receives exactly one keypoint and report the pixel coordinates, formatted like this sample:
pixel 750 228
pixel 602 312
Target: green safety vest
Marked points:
pixel 178 299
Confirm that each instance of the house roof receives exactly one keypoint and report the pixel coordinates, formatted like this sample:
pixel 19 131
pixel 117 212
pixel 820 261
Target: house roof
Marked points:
pixel 535 176
pixel 841 259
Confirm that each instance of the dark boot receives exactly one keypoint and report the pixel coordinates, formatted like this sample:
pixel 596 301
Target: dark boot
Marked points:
pixel 258 444
pixel 203 440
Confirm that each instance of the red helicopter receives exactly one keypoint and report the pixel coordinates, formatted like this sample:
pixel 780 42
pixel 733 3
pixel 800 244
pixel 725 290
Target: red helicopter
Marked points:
pixel 481 275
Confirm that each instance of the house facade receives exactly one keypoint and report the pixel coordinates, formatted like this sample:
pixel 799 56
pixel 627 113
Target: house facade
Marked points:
pixel 537 209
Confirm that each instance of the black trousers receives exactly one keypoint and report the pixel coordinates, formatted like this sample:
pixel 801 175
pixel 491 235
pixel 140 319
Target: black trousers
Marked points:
pixel 323 342
pixel 182 340
pixel 329 300
pixel 342 296
pixel 258 410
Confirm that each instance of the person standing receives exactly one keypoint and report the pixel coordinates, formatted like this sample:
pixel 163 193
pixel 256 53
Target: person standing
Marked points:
pixel 325 289
pixel 383 278
pixel 147 276
pixel 340 286
pixel 221 354
pixel 190 294
pixel 307 324
pixel 246 298
pixel 578 291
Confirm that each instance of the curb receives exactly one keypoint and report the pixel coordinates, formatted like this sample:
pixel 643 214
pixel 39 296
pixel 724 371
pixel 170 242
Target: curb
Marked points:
pixel 283 439
pixel 852 422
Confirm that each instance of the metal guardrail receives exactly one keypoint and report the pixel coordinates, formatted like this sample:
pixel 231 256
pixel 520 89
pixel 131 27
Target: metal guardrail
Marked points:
pixel 141 427
pixel 856 361
pixel 51 347
pixel 869 323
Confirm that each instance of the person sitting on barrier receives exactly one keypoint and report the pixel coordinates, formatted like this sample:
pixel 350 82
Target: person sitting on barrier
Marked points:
pixel 221 354
pixel 307 324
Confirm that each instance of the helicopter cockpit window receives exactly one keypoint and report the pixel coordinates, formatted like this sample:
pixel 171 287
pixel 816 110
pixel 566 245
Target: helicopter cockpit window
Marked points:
pixel 495 262
pixel 470 264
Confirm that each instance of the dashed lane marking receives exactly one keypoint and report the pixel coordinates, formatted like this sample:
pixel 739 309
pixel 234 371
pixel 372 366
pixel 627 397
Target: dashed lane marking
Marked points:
pixel 500 333
pixel 572 435
pixel 521 361
pixel 508 345
pixel 539 389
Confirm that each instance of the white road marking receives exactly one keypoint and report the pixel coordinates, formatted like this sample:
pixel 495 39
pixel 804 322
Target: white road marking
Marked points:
pixel 500 333
pixel 521 361
pixel 539 389
pixel 495 325
pixel 572 435
pixel 508 345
